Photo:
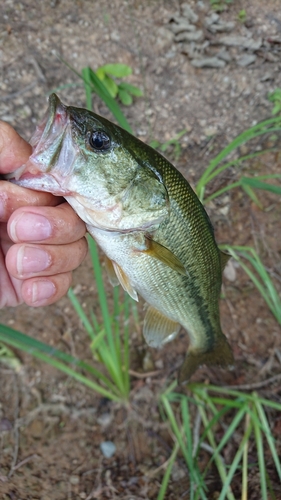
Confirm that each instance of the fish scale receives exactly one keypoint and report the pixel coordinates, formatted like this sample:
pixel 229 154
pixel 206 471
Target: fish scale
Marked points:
pixel 157 237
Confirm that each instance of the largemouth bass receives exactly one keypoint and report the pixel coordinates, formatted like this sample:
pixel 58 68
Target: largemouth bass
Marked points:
pixel 156 235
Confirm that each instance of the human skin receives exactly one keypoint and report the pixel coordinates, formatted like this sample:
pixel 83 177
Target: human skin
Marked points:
pixel 42 240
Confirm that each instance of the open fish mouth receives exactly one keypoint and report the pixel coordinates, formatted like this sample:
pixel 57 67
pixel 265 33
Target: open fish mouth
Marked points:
pixel 50 126
pixel 53 152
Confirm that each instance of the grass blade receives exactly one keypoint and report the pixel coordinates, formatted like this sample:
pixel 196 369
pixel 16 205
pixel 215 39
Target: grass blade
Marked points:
pixel 92 82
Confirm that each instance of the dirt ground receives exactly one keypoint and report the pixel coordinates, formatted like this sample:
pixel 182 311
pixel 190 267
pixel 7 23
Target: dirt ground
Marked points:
pixel 51 427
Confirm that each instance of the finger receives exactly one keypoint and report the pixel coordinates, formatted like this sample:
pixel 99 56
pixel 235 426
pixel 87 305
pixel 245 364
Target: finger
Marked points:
pixel 26 261
pixel 59 225
pixel 13 197
pixel 43 292
pixel 14 150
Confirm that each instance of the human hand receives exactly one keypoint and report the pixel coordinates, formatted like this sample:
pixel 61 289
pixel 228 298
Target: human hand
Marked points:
pixel 42 240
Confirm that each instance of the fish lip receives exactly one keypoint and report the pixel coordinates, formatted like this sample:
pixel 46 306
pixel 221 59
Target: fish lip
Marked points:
pixel 50 127
pixel 55 117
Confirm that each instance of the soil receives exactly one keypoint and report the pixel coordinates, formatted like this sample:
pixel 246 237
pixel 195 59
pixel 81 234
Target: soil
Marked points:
pixel 51 427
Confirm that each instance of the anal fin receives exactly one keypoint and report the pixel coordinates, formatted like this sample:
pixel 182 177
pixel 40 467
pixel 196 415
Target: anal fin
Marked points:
pixel 124 281
pixel 158 329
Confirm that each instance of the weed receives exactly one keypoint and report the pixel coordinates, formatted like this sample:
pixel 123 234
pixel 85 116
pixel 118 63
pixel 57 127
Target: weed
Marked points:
pixel 275 97
pixel 261 279
pixel 243 415
pixel 242 16
pixel 215 168
pixel 174 143
pixel 220 5
pixel 109 345
pixel 125 91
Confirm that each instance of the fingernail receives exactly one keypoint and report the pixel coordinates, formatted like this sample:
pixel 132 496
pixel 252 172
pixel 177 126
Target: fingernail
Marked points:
pixel 30 227
pixel 32 260
pixel 41 291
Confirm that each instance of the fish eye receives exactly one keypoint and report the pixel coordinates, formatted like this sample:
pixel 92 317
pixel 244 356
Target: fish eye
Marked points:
pixel 99 140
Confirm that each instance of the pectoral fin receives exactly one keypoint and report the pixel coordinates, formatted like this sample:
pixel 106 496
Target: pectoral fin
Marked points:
pixel 124 281
pixel 158 329
pixel 113 280
pixel 158 251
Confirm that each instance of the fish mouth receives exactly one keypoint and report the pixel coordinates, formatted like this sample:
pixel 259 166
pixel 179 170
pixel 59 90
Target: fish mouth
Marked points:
pixel 41 171
pixel 51 124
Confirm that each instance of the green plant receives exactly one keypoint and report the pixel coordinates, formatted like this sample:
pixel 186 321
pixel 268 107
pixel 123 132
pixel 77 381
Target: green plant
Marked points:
pixel 260 277
pixel 93 84
pixel 275 97
pixel 243 415
pixel 109 346
pixel 220 5
pixel 215 168
pixel 242 16
pixel 174 143
pixel 124 91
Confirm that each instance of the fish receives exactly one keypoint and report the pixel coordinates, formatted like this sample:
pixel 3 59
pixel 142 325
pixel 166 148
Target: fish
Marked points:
pixel 157 237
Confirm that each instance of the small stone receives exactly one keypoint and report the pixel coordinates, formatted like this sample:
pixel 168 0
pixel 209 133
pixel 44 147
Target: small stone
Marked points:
pixel 210 131
pixel 189 13
pixel 224 55
pixel 105 419
pixel 165 38
pixel 213 18
pixel 178 473
pixel 114 36
pixel 224 210
pixel 182 25
pixel 159 364
pixel 74 480
pixel 208 62
pixel 230 271
pixel 246 60
pixel 196 36
pixel 267 76
pixel 108 449
pixel 240 41
pixel 221 26
pixel 5 425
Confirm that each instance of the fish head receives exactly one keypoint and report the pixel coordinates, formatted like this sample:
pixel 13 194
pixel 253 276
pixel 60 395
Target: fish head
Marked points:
pixel 102 170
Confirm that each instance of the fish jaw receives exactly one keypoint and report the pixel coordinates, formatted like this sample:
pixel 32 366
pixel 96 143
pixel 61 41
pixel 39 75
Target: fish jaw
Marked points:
pixel 49 168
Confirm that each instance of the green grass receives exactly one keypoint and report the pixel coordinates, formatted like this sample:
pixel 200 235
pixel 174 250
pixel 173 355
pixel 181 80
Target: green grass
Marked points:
pixel 258 274
pixel 109 342
pixel 226 416
pixel 218 164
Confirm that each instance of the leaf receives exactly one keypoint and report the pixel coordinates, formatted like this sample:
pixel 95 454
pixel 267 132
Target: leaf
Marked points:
pixel 251 193
pixel 257 184
pixel 132 89
pixel 154 144
pixel 111 86
pixel 117 70
pixel 93 83
pixel 100 73
pixel 125 98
